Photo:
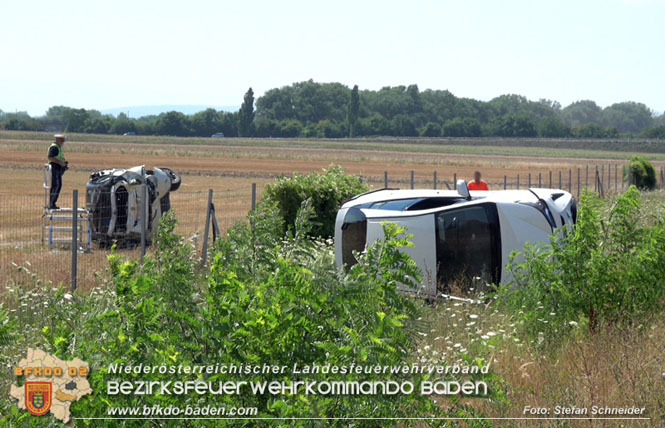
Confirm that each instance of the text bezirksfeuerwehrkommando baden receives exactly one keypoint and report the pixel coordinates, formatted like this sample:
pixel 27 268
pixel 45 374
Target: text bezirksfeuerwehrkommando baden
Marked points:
pixel 263 369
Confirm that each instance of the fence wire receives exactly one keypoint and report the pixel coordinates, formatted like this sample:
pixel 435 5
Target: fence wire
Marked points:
pixel 36 247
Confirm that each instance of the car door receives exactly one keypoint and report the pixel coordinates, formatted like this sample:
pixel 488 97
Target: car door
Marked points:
pixel 468 246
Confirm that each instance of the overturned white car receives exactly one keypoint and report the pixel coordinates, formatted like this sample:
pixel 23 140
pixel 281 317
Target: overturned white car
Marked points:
pixel 457 235
pixel 114 200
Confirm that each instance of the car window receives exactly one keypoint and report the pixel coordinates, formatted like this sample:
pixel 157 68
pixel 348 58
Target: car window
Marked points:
pixel 397 205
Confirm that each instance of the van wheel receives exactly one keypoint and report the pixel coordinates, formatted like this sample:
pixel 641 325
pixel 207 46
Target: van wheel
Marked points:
pixel 175 178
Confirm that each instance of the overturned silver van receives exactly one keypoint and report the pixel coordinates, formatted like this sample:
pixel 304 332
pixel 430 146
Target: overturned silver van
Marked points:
pixel 114 200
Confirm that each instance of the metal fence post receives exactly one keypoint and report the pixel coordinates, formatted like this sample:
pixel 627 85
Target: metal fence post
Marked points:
pixel 586 180
pixel 254 196
pixel 518 182
pixel 413 183
pixel 360 178
pixel 144 213
pixel 529 180
pixel 435 180
pixel 75 227
pixel 570 180
pixel 540 179
pixel 385 179
pixel 505 182
pixel 560 184
pixel 550 179
pixel 204 252
pixel 455 180
pixel 595 181
pixel 579 172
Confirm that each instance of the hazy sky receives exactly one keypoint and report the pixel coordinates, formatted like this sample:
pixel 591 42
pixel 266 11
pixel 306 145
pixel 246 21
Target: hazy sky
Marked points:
pixel 103 54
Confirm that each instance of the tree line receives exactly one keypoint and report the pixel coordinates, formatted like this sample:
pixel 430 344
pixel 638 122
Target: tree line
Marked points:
pixel 333 110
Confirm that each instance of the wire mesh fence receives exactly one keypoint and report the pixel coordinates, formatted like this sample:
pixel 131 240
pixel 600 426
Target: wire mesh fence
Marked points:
pixel 603 179
pixel 36 244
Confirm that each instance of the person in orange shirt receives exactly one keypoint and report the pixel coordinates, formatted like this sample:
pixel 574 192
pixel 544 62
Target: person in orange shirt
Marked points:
pixel 477 183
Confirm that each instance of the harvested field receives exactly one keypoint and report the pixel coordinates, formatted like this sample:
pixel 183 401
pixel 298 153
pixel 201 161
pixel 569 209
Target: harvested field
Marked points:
pixel 230 166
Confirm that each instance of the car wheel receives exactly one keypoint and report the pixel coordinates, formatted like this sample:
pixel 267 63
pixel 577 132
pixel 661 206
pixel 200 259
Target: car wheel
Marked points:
pixel 175 178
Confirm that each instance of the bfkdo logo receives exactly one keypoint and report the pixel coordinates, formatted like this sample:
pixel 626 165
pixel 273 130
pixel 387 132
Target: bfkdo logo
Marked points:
pixel 38 397
pixel 50 385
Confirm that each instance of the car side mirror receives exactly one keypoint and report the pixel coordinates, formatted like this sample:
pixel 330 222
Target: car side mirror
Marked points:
pixel 463 189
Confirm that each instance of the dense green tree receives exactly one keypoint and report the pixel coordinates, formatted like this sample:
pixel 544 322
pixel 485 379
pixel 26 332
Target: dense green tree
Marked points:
pixel 145 127
pixel 462 127
pixel 57 113
pixel 391 101
pixel 553 127
pixel 628 117
pixel 660 120
pixel 99 125
pixel 246 115
pixel 265 128
pixel 75 119
pixel 514 126
pixel 376 124
pixel 430 129
pixel 655 132
pixel 353 110
pixel 123 124
pixel 582 112
pixel 590 130
pixel 310 131
pixel 403 126
pixel 172 123
pixel 20 121
pixel 205 123
pixel 229 123
pixel 307 102
pixel 331 129
pixel 315 109
pixel 290 128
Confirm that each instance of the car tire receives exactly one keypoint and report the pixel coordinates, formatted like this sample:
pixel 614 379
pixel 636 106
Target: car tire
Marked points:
pixel 175 178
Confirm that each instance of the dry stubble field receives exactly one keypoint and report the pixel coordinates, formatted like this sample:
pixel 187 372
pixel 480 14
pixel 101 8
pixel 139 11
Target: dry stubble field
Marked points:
pixel 230 166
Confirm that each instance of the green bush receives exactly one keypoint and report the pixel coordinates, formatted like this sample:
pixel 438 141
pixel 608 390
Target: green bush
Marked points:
pixel 265 298
pixel 608 270
pixel 641 173
pixel 326 190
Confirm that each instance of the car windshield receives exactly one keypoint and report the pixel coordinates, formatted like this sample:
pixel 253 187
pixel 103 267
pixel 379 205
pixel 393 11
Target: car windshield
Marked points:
pixel 412 204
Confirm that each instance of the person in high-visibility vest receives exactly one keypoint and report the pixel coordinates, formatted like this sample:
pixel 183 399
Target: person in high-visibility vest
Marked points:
pixel 477 183
pixel 56 158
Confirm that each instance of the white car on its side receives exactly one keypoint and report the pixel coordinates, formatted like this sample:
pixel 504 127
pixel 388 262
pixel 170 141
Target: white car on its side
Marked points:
pixel 456 234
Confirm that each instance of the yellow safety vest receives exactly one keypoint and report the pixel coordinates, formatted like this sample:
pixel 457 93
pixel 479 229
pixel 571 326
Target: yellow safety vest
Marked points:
pixel 61 153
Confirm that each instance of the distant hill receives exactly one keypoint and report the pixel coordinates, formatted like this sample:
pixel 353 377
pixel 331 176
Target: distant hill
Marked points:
pixel 139 111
